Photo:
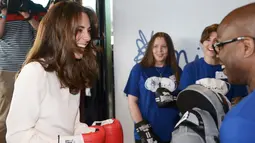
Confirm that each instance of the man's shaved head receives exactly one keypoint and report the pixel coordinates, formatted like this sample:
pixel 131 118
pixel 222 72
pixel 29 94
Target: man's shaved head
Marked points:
pixel 239 22
pixel 238 56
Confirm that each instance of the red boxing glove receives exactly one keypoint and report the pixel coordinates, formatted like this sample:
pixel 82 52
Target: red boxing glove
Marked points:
pixel 96 137
pixel 113 130
pixel 93 137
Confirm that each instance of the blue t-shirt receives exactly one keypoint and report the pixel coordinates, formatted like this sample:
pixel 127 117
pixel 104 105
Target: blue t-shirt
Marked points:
pixel 239 124
pixel 142 83
pixel 199 69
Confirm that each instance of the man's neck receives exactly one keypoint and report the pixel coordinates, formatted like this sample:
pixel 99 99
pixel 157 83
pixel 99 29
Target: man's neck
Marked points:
pixel 251 79
pixel 251 84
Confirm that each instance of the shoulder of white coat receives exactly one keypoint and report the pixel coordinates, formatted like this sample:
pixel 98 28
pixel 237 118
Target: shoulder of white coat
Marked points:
pixel 32 77
pixel 32 71
pixel 33 67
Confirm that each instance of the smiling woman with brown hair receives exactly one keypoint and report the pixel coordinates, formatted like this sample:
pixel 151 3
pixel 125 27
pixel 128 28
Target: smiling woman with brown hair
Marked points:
pixel 151 87
pixel 209 66
pixel 61 62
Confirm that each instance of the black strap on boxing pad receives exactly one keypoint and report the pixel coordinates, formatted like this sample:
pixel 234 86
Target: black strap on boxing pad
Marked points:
pixel 223 102
pixel 199 129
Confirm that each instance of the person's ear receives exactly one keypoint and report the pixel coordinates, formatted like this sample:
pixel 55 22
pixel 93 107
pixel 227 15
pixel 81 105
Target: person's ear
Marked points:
pixel 248 47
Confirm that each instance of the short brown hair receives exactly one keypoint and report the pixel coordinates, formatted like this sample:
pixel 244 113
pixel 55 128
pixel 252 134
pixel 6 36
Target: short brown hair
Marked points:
pixel 207 32
pixel 149 61
pixel 55 43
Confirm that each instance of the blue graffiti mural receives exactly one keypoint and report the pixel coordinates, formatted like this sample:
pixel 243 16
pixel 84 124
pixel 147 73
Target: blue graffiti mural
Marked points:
pixel 142 44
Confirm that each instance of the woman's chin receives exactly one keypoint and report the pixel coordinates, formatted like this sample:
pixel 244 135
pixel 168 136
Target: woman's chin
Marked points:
pixel 78 56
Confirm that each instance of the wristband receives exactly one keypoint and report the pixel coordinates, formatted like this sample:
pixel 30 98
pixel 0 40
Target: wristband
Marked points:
pixel 2 16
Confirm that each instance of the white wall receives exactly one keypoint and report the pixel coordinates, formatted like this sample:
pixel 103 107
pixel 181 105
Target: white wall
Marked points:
pixel 183 20
pixel 89 3
pixel 42 2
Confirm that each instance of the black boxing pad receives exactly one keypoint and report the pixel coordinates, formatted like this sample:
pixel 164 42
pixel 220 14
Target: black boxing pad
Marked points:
pixel 202 98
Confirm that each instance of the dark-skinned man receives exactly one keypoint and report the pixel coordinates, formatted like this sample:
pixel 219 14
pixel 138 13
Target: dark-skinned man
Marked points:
pixel 236 50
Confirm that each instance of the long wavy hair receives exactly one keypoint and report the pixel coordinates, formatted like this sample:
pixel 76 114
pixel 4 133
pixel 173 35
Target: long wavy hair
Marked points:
pixel 149 60
pixel 55 45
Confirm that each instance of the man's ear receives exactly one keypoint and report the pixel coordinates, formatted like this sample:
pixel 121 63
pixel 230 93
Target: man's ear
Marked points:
pixel 248 47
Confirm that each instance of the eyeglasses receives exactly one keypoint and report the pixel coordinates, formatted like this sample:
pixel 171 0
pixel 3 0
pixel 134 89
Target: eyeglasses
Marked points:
pixel 217 46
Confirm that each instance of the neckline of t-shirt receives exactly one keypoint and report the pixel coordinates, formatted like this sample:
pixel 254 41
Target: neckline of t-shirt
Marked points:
pixel 210 64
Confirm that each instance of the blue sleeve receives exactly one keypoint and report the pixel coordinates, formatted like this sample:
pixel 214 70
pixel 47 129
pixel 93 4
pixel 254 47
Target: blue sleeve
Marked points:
pixel 237 130
pixel 132 86
pixel 239 90
pixel 186 77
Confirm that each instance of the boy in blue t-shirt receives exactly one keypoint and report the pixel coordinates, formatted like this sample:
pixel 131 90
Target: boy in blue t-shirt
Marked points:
pixel 209 66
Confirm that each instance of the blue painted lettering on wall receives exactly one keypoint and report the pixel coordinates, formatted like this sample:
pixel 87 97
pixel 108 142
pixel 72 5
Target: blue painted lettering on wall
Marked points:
pixel 142 44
